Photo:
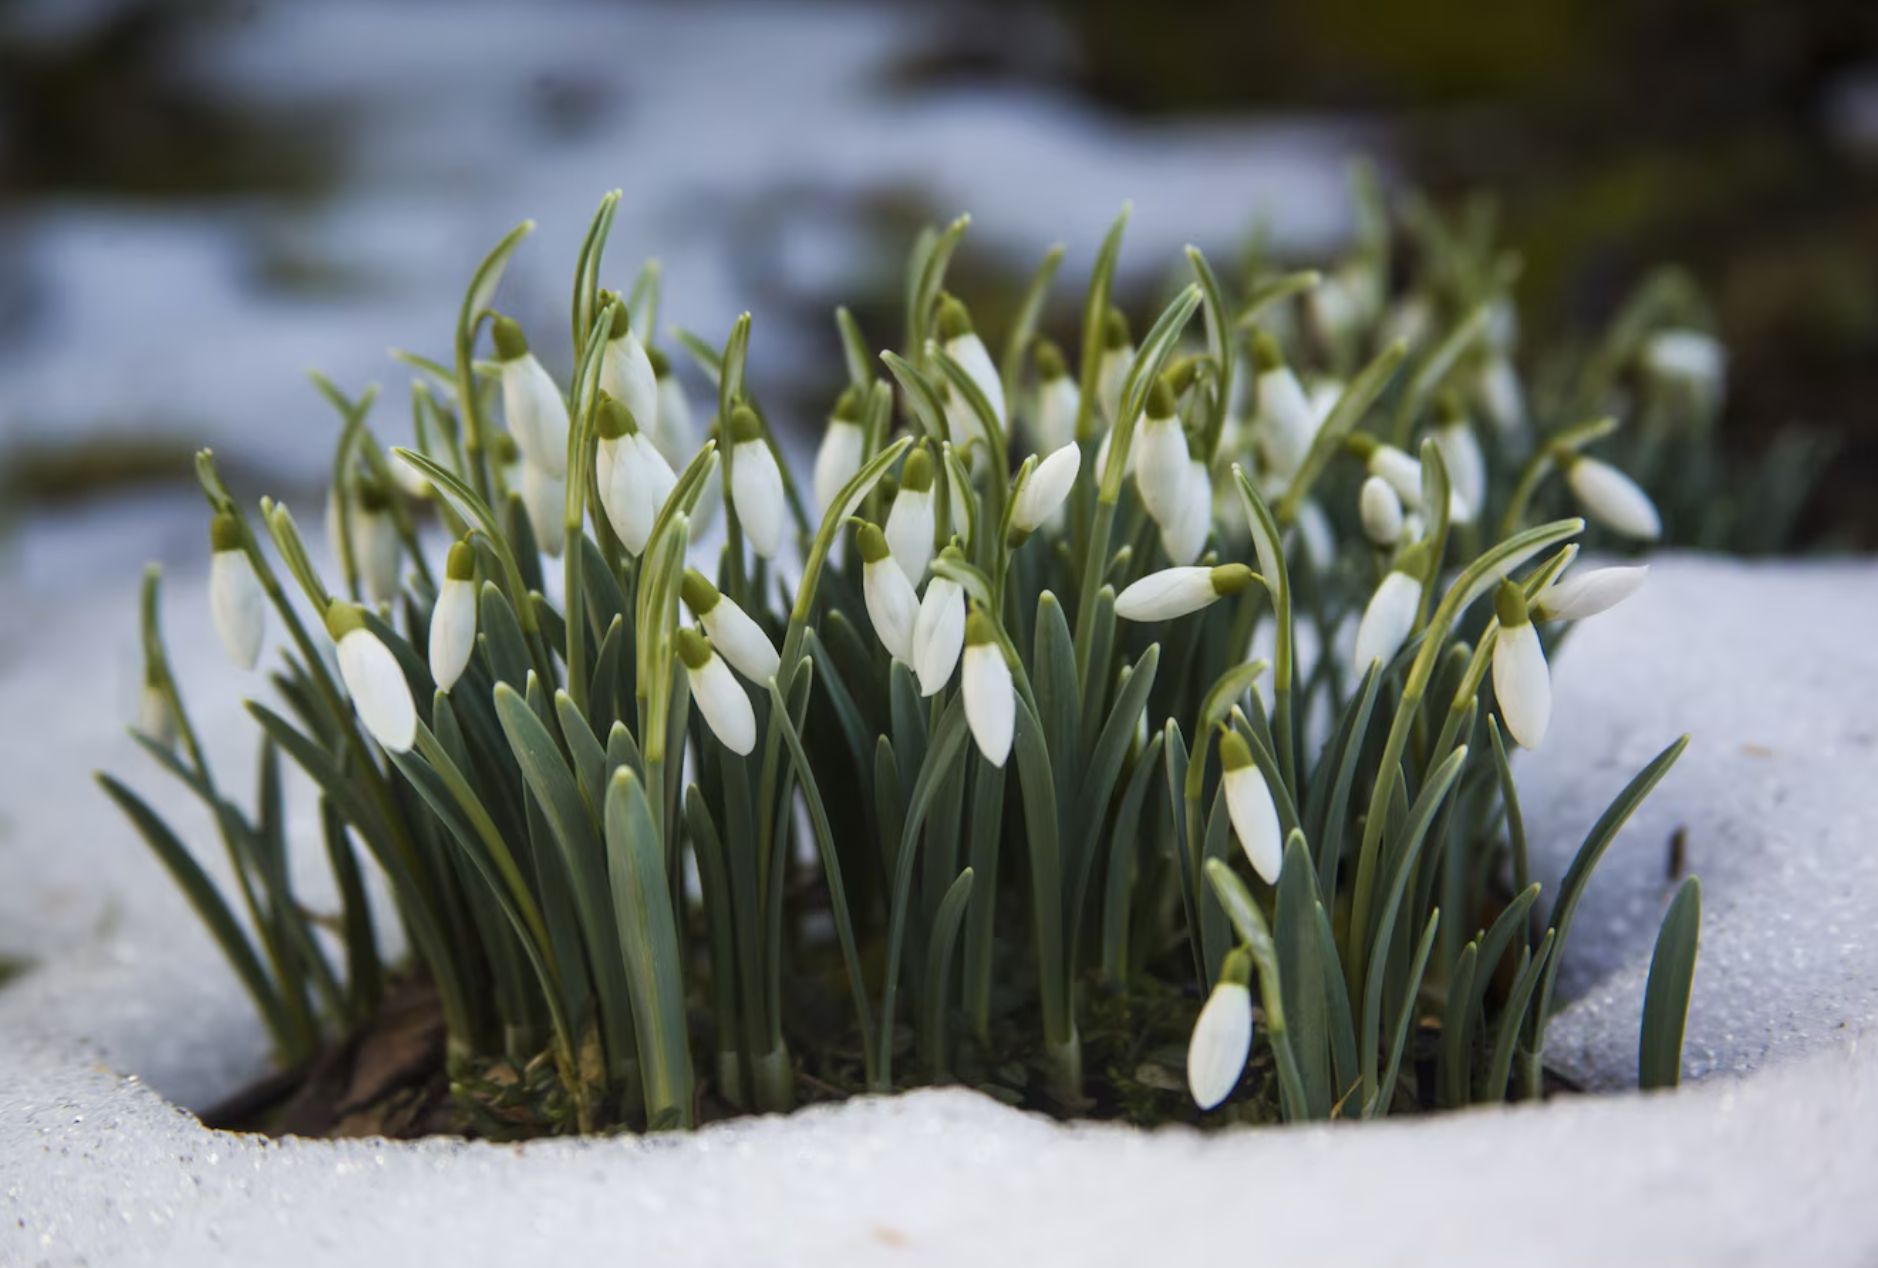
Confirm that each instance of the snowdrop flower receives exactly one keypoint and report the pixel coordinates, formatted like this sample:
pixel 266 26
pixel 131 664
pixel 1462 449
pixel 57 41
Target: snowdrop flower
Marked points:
pixel 959 510
pixel 1175 592
pixel 1102 457
pixel 1521 682
pixel 1183 536
pixel 155 718
pixel 1161 455
pixel 1588 592
pixel 676 436
pixel 756 484
pixel 910 519
pixel 990 700
pixel 840 455
pixel 236 605
pixel 1390 616
pixel 1314 530
pixel 1118 350
pixel 1689 359
pixel 1222 1036
pixel 963 345
pixel 453 620
pixel 938 633
pixel 740 639
pixel 536 414
pixel 725 707
pixel 1381 512
pixel 1460 452
pixel 892 606
pixel 375 545
pixel 626 372
pixel 1249 805
pixel 1612 498
pixel 1404 475
pixel 638 479
pixel 1058 399
pixel 1289 422
pixel 373 679
pixel 1045 489
pixel 544 499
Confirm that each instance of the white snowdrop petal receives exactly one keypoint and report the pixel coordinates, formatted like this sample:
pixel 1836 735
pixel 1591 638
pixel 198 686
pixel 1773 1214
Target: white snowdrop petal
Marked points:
pixel 837 460
pixel 909 531
pixel 641 482
pixel 756 491
pixel 1290 422
pixel 237 606
pixel 536 414
pixel 1614 499
pixel 1048 486
pixel 990 705
pixel 378 689
pixel 1319 538
pixel 1183 535
pixel 1522 684
pixel 1591 591
pixel 1381 512
pixel 452 631
pixel 1255 821
pixel 1467 466
pixel 938 634
pixel 1221 1042
pixel 677 436
pixel 1161 466
pixel 741 641
pixel 1057 404
pixel 726 709
pixel 544 498
pixel 969 351
pixel 626 376
pixel 1403 473
pixel 1167 594
pixel 1501 396
pixel 1388 620
pixel 375 551
pixel 892 607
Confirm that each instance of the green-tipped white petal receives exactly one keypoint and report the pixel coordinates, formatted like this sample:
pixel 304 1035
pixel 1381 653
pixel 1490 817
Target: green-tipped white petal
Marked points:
pixel 626 376
pixel 1521 683
pixel 1388 619
pixel 376 550
pixel 1250 806
pixel 1049 484
pixel 1381 512
pixel 1221 1042
pixel 378 689
pixel 1161 466
pixel 969 351
pixel 1057 403
pixel 1288 422
pixel 1613 499
pixel 536 414
pixel 641 481
pixel 990 700
pixel 155 718
pixel 837 460
pixel 741 641
pixel 544 498
pixel 938 634
pixel 236 606
pixel 892 604
pixel 1175 592
pixel 721 699
pixel 756 493
pixel 1590 591
pixel 1467 466
pixel 909 531
pixel 1184 533
pixel 452 631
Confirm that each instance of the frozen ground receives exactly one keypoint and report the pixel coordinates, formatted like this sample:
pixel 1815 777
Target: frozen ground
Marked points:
pixel 1770 667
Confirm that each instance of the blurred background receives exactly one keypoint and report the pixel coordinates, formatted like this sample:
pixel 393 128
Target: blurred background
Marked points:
pixel 202 199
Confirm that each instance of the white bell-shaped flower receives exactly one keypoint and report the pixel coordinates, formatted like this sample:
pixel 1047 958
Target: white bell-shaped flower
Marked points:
pixel 839 457
pixel 1250 806
pixel 1058 399
pixel 892 604
pixel 544 500
pixel 237 607
pixel 990 699
pixel 1501 396
pixel 1460 453
pixel 1161 455
pixel 1222 1035
pixel 537 416
pixel 964 346
pixel 376 548
pixel 1688 359
pixel 1404 474
pixel 756 484
pixel 638 478
pixel 1175 592
pixel 1118 353
pixel 1588 592
pixel 453 620
pixel 717 693
pixel 626 373
pixel 1389 618
pixel 957 503
pixel 1612 498
pixel 373 679
pixel 737 637
pixel 1381 512
pixel 1183 535
pixel 1318 537
pixel 910 520
pixel 155 718
pixel 677 435
pixel 1287 421
pixel 1044 491
pixel 1521 682
pixel 938 633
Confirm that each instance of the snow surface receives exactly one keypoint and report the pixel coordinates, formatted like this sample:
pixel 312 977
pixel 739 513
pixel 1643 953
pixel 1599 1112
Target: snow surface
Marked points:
pixel 1770 667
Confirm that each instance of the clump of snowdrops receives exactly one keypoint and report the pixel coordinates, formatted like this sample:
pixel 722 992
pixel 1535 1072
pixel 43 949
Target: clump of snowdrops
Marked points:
pixel 1160 689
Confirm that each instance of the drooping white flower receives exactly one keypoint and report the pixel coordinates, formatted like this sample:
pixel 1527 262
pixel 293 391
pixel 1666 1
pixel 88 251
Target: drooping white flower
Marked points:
pixel 453 620
pixel 677 435
pixel 638 478
pixel 1250 806
pixel 1043 493
pixel 155 718
pixel 1183 535
pixel 1161 455
pixel 1460 453
pixel 892 605
pixel 1390 616
pixel 938 633
pixel 544 500
pixel 1502 398
pixel 718 695
pixel 958 508
pixel 1404 474
pixel 1588 592
pixel 1521 682
pixel 237 607
pixel 1175 592
pixel 537 416
pixel 739 639
pixel 963 345
pixel 375 545
pixel 1118 351
pixel 1690 359
pixel 1319 538
pixel 626 373
pixel 373 679
pixel 1612 498
pixel 840 454
pixel 1058 399
pixel 1288 423
pixel 756 484
pixel 990 700
pixel 1381 512
pixel 910 520
pixel 1222 1035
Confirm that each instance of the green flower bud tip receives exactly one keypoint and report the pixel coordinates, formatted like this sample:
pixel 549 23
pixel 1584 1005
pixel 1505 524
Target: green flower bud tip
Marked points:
pixel 873 544
pixel 1234 752
pixel 224 533
pixel 916 475
pixel 374 498
pixel 1114 330
pixel 745 425
pixel 1230 579
pixel 622 323
pixel 1237 967
pixel 1413 561
pixel 952 552
pixel 954 321
pixel 511 343
pixel 503 449
pixel 979 628
pixel 694 649
pixel 1509 604
pixel 848 405
pixel 1266 354
pixel 661 364
pixel 461 565
pixel 699 594
pixel 1050 363
pixel 1182 373
pixel 616 420
pixel 1360 444
pixel 1448 407
pixel 1161 399
pixel 342 618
